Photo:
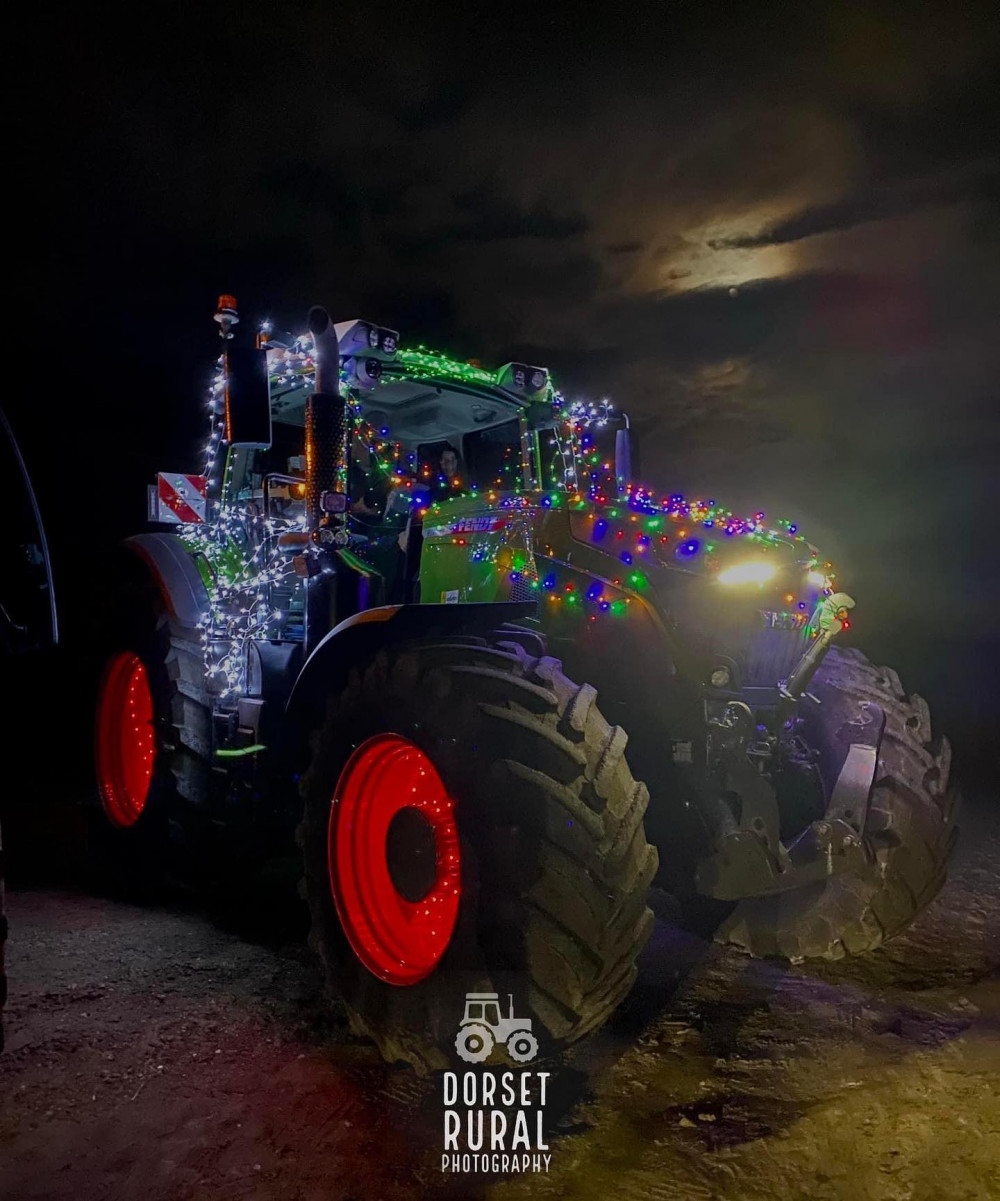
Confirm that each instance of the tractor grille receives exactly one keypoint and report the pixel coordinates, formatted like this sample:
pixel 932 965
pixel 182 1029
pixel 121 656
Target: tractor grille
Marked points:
pixel 522 592
pixel 773 650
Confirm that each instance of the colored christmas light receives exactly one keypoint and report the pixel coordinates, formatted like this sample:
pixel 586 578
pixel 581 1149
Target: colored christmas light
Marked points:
pixel 244 561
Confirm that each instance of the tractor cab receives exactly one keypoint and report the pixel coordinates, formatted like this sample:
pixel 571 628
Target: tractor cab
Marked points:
pixel 482 1007
pixel 424 429
pixel 431 425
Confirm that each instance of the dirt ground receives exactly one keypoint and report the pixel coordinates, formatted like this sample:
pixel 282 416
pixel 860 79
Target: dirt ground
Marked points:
pixel 157 1053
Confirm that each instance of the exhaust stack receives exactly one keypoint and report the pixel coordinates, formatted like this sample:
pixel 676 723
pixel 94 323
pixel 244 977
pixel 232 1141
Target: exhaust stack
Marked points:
pixel 326 432
pixel 327 503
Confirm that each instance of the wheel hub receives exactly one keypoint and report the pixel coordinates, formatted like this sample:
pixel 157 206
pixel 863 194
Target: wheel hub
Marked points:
pixel 411 854
pixel 125 740
pixel 393 859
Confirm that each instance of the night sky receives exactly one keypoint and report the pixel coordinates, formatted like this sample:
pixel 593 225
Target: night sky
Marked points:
pixel 768 232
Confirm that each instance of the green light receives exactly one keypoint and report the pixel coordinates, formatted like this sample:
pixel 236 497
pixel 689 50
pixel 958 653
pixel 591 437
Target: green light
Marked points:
pixel 424 362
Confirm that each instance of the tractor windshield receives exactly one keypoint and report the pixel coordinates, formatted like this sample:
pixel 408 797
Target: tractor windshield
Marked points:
pixel 493 456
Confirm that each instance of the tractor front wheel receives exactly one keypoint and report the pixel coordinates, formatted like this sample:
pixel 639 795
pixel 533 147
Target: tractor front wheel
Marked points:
pixel 470 825
pixel 907 836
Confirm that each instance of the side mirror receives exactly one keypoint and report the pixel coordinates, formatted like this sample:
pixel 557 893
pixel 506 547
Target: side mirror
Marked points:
pixel 248 398
pixel 626 455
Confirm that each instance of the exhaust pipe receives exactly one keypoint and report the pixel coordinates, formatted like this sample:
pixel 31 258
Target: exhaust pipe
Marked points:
pixel 327 448
pixel 326 430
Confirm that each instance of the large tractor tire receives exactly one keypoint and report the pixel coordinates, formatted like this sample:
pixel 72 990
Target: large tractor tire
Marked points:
pixel 152 736
pixel 471 825
pixel 908 834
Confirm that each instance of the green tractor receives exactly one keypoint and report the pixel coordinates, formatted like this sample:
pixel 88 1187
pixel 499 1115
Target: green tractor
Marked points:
pixel 416 613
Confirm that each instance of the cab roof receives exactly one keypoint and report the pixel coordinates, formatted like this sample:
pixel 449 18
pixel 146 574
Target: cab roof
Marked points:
pixel 420 396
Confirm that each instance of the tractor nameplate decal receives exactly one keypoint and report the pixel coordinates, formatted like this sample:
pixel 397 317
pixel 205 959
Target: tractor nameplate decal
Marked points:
pixel 468 525
pixel 181 498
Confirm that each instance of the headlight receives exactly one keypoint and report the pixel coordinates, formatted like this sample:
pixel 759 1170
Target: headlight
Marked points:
pixel 756 572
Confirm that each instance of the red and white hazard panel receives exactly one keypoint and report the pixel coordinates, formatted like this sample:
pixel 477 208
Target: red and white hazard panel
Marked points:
pixel 181 498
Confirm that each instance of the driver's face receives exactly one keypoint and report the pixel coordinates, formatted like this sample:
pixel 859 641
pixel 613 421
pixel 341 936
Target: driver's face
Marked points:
pixel 449 464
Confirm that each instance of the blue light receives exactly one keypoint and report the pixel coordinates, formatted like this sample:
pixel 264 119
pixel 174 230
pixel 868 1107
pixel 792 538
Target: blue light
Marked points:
pixel 600 529
pixel 549 581
pixel 689 548
pixel 593 592
pixel 626 557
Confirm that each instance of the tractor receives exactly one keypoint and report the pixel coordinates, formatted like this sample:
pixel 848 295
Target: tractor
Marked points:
pixel 482 1028
pixel 29 624
pixel 416 618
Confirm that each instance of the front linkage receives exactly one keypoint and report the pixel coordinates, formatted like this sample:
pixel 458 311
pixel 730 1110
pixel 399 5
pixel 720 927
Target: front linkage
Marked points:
pixel 750 858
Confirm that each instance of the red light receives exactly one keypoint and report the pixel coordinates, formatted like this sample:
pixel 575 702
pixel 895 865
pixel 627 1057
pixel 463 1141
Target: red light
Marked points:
pixel 125 742
pixel 399 941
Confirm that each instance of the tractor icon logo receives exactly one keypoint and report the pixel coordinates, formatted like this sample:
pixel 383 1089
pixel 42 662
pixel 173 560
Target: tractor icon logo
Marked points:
pixel 482 1027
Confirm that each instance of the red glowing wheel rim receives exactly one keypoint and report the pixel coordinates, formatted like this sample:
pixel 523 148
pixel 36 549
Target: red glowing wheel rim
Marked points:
pixel 386 781
pixel 125 740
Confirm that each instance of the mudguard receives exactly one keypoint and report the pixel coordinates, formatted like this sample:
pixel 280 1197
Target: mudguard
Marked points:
pixel 358 638
pixel 175 573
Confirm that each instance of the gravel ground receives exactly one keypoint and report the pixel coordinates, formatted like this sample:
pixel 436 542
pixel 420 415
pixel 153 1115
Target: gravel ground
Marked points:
pixel 157 1053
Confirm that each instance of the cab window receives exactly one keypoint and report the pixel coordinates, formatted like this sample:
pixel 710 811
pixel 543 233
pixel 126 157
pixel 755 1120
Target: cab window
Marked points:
pixel 493 456
pixel 441 467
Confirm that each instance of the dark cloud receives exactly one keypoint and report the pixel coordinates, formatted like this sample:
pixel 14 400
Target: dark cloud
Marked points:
pixel 769 231
pixel 485 218
pixel 977 183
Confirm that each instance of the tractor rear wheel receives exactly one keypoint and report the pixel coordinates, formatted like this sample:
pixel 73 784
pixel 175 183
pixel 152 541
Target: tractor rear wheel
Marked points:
pixel 908 834
pixel 152 733
pixel 470 824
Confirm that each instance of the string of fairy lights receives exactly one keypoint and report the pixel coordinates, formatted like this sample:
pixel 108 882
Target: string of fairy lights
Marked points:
pixel 246 563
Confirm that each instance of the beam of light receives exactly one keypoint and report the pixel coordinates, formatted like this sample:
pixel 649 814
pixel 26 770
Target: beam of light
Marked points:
pixel 756 571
